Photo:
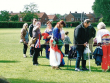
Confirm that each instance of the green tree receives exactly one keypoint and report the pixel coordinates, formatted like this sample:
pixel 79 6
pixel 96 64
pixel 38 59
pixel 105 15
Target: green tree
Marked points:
pixel 4 15
pixel 102 7
pixel 14 18
pixel 58 15
pixel 29 12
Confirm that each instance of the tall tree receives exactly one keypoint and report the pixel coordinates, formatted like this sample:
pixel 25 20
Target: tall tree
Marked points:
pixel 102 7
pixel 29 12
pixel 14 18
pixel 4 15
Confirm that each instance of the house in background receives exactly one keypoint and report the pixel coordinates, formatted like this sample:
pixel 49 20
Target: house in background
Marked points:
pixel 76 17
pixel 52 18
pixel 63 17
pixel 20 19
pixel 93 17
pixel 42 17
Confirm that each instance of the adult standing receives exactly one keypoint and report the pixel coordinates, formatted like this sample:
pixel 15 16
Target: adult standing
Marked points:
pixel 30 33
pixel 62 38
pixel 81 37
pixel 37 36
pixel 103 39
pixel 55 46
pixel 92 33
pixel 25 38
pixel 47 36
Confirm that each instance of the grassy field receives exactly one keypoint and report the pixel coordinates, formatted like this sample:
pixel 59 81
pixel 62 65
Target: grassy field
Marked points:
pixel 17 69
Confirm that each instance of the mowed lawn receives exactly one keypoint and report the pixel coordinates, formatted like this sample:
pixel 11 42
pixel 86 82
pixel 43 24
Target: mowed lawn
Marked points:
pixel 17 69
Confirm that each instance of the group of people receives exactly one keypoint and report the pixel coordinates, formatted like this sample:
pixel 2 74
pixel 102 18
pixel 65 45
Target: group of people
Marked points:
pixel 83 35
pixel 55 38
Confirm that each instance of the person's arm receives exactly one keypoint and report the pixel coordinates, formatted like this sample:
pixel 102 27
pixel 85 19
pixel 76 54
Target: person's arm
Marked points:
pixel 63 36
pixel 30 30
pixel 69 40
pixel 22 35
pixel 77 35
pixel 94 32
pixel 55 34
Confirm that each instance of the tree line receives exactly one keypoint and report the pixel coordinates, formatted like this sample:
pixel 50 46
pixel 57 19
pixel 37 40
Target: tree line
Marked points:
pixel 100 8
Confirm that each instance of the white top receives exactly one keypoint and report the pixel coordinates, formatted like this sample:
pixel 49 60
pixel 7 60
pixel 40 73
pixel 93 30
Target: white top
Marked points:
pixel 100 33
pixel 47 30
pixel 62 32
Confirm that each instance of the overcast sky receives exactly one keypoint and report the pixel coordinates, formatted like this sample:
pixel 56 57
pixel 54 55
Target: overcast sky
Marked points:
pixel 49 6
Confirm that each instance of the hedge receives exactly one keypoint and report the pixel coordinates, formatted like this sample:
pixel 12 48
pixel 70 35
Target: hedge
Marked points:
pixel 12 24
pixel 20 24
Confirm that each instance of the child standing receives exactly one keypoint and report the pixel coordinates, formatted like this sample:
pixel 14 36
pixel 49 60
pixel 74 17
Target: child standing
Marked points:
pixel 67 42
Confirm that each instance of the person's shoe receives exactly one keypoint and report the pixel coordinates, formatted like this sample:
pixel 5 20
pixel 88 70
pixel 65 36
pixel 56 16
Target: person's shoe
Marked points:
pixel 24 55
pixel 57 68
pixel 85 69
pixel 35 64
pixel 53 67
pixel 77 69
pixel 30 55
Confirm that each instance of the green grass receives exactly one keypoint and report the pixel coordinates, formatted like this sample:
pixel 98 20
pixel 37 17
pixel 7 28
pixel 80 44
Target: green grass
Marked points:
pixel 17 69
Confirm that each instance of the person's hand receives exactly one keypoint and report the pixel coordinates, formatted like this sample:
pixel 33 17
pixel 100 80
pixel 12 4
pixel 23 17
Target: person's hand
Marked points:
pixel 85 44
pixel 24 42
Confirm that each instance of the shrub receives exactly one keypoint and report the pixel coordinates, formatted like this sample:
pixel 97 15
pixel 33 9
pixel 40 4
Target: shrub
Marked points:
pixel 12 24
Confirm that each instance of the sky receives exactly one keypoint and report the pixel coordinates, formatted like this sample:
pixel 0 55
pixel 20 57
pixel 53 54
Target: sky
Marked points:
pixel 49 6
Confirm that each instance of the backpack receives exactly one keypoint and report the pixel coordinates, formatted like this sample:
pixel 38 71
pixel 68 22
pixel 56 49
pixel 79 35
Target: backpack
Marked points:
pixel 72 53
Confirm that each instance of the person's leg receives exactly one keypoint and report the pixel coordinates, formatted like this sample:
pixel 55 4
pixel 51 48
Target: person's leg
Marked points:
pixel 31 51
pixel 108 56
pixel 24 50
pixel 91 47
pixel 47 51
pixel 104 58
pixel 79 54
pixel 35 56
pixel 66 49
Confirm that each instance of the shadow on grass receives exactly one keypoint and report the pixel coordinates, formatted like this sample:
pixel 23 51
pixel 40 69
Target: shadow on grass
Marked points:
pixel 72 68
pixel 12 80
pixel 42 56
pixel 8 61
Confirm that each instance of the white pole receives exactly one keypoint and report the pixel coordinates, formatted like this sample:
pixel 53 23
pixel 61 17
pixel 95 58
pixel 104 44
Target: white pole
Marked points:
pixel 89 58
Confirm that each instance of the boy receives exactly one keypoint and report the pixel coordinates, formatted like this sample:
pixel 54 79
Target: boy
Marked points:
pixel 67 42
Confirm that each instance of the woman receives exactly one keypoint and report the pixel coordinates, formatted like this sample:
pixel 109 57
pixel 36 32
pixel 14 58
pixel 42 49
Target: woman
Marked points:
pixel 103 39
pixel 37 36
pixel 47 35
pixel 55 46
pixel 25 38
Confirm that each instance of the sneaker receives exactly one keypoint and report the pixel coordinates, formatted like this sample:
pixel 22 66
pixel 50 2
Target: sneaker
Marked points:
pixel 30 55
pixel 24 55
pixel 35 64
pixel 77 69
pixel 85 69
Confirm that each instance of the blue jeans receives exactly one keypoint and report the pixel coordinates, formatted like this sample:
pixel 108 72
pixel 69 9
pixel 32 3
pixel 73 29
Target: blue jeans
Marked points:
pixel 47 52
pixel 79 55
pixel 31 50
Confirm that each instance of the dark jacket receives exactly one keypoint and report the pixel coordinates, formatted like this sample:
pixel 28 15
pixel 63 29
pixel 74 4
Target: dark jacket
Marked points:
pixel 81 36
pixel 98 53
pixel 30 29
pixel 92 32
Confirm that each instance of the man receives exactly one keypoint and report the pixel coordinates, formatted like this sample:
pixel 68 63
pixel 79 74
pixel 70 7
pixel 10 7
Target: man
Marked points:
pixel 81 37
pixel 30 33
pixel 92 33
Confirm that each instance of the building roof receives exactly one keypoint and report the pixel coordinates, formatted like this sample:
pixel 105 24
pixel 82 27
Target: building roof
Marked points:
pixel 15 14
pixel 40 14
pixel 93 15
pixel 51 16
pixel 78 15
